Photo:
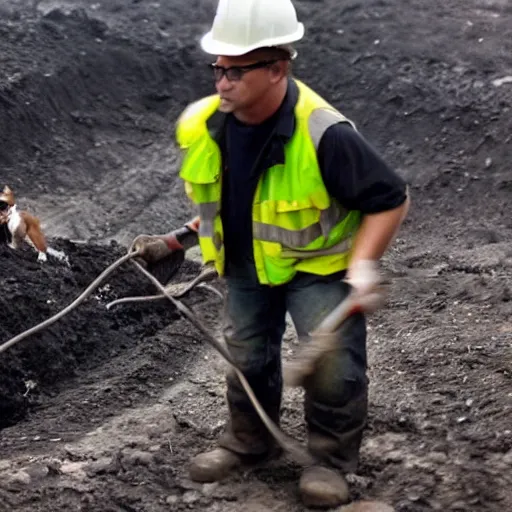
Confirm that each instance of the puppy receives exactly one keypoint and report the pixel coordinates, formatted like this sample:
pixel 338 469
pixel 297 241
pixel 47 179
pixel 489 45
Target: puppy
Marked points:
pixel 23 226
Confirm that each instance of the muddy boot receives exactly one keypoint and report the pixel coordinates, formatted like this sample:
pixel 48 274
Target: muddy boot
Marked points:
pixel 323 488
pixel 214 465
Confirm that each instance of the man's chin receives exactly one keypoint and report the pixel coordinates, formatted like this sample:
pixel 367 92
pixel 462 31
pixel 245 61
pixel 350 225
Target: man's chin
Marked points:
pixel 226 106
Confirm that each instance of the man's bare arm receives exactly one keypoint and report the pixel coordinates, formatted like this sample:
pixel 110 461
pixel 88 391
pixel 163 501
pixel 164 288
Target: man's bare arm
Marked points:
pixel 377 232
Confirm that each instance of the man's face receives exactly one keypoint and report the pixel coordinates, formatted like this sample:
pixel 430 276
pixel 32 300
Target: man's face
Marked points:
pixel 247 86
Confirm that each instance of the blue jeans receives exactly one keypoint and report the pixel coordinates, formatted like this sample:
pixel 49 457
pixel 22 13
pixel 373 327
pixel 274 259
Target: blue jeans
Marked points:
pixel 335 396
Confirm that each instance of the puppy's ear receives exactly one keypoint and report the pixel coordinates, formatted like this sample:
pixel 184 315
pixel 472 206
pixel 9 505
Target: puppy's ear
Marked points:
pixel 7 196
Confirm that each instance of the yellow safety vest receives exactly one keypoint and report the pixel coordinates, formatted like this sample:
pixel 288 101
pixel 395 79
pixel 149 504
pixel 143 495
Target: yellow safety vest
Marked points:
pixel 296 226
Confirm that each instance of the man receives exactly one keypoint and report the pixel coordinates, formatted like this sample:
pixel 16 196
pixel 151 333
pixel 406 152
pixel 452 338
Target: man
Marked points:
pixel 295 210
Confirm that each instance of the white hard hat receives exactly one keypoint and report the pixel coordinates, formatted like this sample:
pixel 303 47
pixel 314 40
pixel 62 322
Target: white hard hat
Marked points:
pixel 241 26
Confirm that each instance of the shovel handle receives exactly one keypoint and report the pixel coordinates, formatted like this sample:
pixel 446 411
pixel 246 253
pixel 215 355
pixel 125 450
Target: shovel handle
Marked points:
pixel 333 321
pixel 321 341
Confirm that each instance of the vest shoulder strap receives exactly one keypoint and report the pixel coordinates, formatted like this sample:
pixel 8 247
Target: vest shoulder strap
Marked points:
pixel 193 118
pixel 321 119
pixel 321 115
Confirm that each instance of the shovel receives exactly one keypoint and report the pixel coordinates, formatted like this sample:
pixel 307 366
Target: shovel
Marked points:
pixel 323 339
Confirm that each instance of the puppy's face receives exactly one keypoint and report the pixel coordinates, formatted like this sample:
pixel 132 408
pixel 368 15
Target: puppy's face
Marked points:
pixel 6 201
pixel 7 196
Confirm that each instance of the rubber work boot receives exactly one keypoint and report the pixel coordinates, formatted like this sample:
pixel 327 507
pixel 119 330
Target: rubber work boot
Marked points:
pixel 323 488
pixel 214 465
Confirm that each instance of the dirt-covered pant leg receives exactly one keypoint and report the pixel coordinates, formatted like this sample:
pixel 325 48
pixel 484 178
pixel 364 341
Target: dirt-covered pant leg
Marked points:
pixel 336 395
pixel 254 326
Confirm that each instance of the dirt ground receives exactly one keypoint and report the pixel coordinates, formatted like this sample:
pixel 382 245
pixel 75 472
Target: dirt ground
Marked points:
pixel 101 411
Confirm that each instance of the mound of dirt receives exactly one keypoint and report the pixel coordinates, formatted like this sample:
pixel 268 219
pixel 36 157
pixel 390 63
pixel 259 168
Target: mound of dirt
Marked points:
pixel 39 365
pixel 87 120
pixel 68 79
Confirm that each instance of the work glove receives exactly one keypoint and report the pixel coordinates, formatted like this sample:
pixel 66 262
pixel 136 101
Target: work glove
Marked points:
pixel 153 248
pixel 162 255
pixel 367 285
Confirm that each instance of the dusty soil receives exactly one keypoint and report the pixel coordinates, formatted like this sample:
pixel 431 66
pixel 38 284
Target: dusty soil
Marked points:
pixel 101 411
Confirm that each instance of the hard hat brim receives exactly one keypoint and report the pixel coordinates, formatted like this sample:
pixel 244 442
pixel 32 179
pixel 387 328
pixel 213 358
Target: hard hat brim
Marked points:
pixel 214 47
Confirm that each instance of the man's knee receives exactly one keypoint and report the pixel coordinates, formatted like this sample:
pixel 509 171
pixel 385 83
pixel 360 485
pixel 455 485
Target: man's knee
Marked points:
pixel 340 377
pixel 338 392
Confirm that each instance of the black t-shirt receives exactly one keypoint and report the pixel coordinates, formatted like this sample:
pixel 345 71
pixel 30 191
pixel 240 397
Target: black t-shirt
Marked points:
pixel 353 173
pixel 243 144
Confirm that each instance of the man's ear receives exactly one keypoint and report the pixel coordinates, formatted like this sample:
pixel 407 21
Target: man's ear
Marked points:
pixel 278 71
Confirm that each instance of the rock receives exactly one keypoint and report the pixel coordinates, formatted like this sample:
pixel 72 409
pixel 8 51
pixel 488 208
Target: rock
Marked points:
pixel 507 458
pixel 209 489
pixel 382 444
pixel 73 469
pixel 172 500
pixel 438 457
pixel 102 465
pixel 191 497
pixel 225 492
pixel 138 457
pixel 435 505
pixel 4 464
pixel 358 480
pixel 256 506
pixel 394 456
pixel 53 466
pixel 37 472
pixel 366 506
pixel 15 481
pixel 501 81
pixel 189 485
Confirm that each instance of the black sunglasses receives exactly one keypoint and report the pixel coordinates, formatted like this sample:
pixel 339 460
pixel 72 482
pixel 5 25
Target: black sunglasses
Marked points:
pixel 3 206
pixel 235 73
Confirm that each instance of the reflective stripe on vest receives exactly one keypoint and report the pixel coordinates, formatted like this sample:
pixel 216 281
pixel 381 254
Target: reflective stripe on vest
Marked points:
pixel 207 213
pixel 302 237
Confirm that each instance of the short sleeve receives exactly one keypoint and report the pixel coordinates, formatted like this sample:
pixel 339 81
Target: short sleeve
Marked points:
pixel 355 174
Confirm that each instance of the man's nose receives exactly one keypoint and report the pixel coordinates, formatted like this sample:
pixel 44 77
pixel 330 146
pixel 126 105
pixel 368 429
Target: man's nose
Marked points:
pixel 223 84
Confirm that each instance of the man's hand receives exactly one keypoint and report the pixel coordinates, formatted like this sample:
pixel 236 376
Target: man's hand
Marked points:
pixel 152 248
pixel 367 286
pixel 162 255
